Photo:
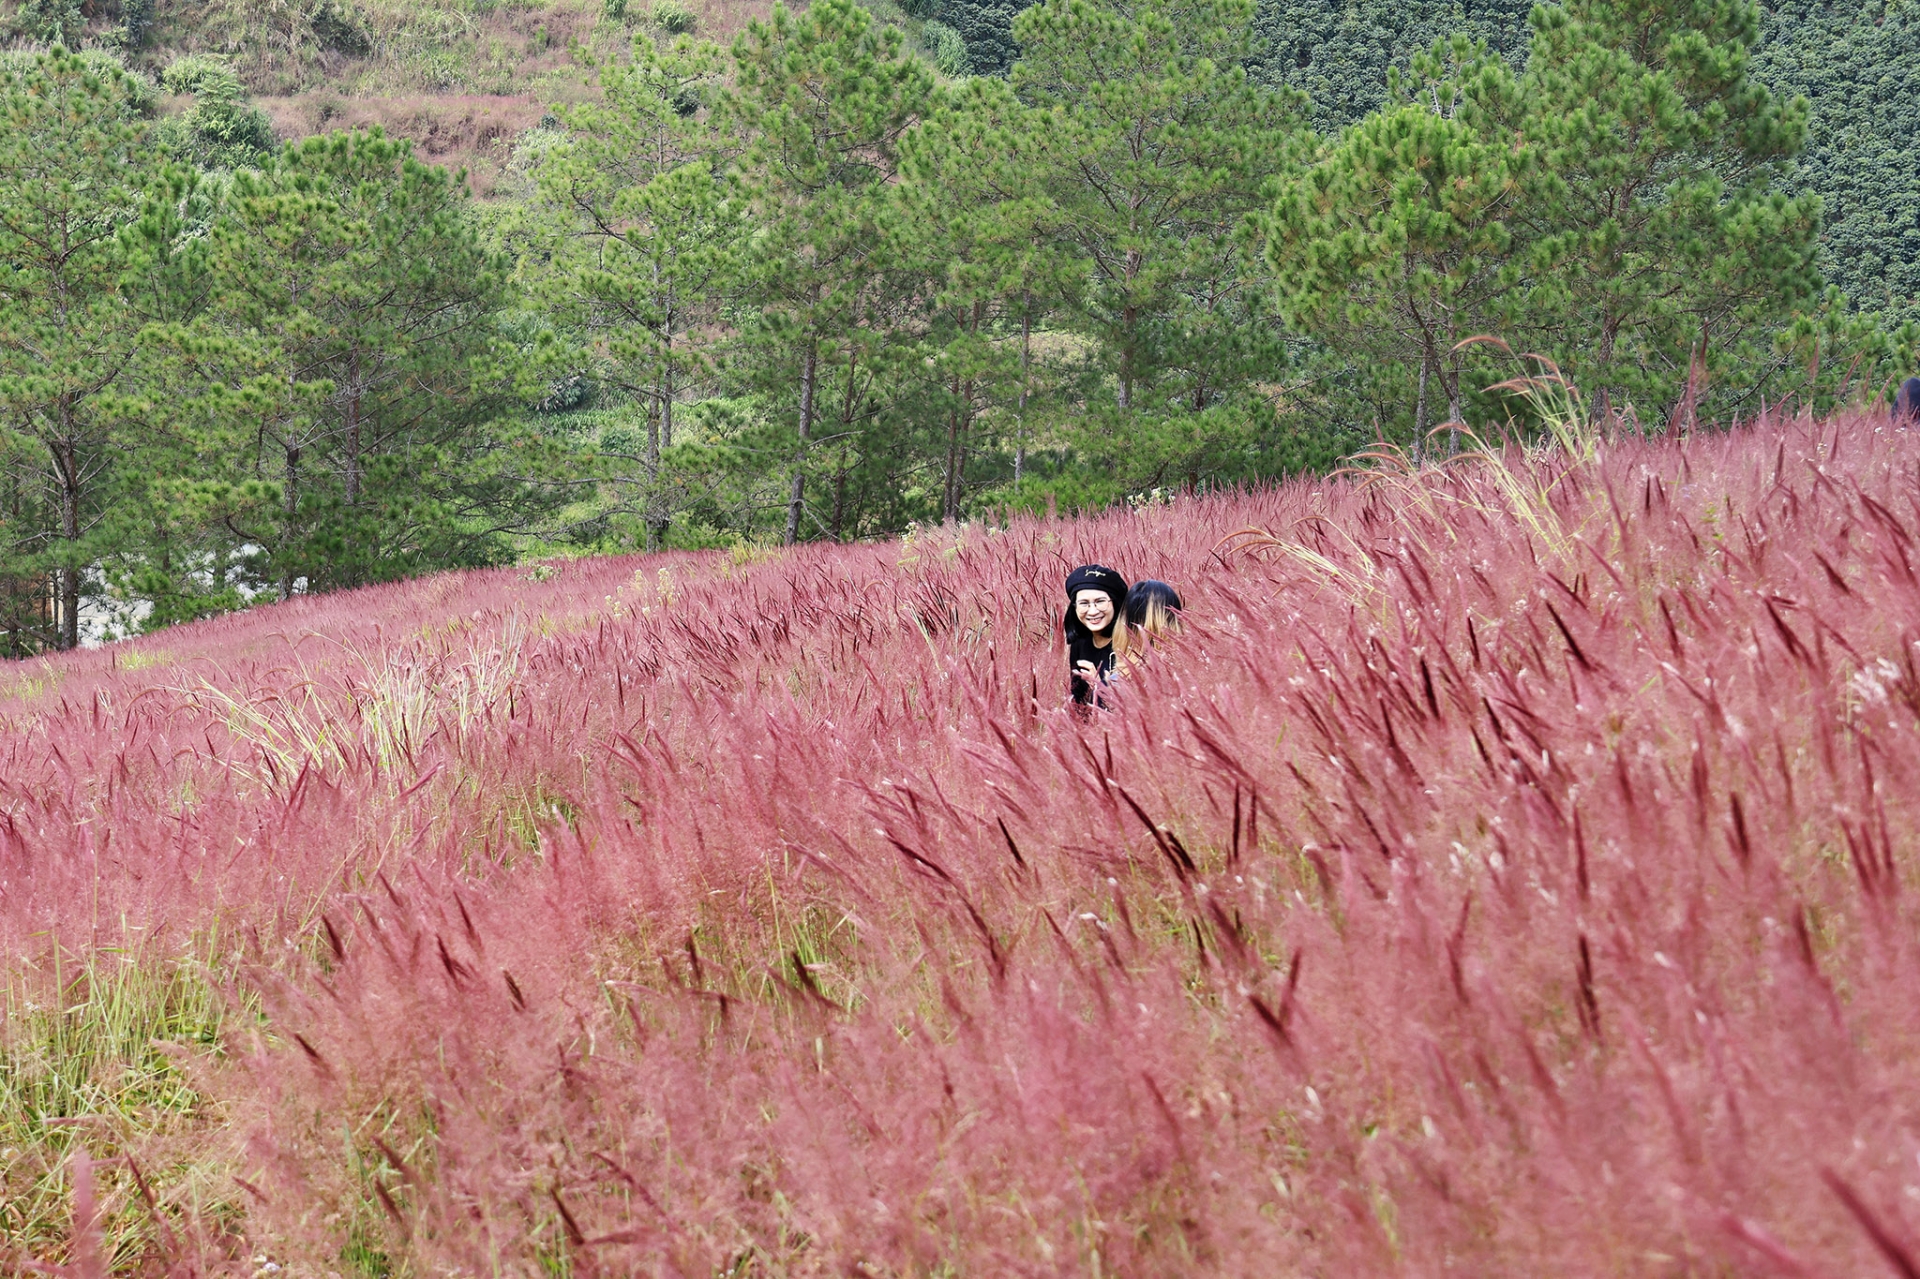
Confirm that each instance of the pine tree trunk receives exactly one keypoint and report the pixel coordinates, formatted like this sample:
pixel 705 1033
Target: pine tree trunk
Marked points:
pixel 353 431
pixel 69 601
pixel 848 406
pixel 1603 403
pixel 1020 428
pixel 797 497
pixel 652 463
pixel 959 426
pixel 290 504
pixel 1129 318
pixel 1450 383
pixel 654 413
pixel 660 427
pixel 950 498
pixel 1420 401
pixel 838 526
pixel 666 411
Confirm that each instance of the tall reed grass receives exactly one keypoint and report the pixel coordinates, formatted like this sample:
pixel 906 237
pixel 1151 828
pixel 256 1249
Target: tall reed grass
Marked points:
pixel 1467 889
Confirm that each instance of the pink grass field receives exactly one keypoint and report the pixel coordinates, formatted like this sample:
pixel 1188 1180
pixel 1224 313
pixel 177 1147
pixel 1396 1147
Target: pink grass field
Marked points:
pixel 1511 870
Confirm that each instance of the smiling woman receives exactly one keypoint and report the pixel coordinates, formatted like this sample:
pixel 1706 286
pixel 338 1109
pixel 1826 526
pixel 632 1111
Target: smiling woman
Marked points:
pixel 1094 596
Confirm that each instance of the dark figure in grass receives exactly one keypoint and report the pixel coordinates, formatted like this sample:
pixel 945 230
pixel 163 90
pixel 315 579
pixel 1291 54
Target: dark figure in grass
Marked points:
pixel 1153 609
pixel 1906 404
pixel 1095 596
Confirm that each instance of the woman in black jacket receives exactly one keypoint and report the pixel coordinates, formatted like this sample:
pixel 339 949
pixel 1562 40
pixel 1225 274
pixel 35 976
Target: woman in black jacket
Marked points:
pixel 1095 596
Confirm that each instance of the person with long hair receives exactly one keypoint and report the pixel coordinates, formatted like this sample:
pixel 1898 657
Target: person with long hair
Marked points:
pixel 1153 609
pixel 1906 403
pixel 1095 630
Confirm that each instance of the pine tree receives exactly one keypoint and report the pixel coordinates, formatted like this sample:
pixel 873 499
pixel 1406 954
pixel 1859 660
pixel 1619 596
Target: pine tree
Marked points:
pixel 1160 147
pixel 72 174
pixel 355 274
pixel 178 553
pixel 1394 248
pixel 635 239
pixel 1667 161
pixel 975 216
pixel 822 100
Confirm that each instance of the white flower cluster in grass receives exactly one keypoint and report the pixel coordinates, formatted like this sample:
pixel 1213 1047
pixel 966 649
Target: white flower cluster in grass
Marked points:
pixel 1869 684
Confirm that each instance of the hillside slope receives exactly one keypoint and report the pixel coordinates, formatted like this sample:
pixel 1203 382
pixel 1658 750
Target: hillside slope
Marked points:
pixel 1509 871
pixel 463 79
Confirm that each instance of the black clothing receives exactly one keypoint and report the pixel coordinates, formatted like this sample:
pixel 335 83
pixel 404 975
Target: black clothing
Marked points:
pixel 1081 648
pixel 1080 645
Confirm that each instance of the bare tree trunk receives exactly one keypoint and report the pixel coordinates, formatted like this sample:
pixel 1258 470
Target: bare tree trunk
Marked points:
pixel 838 525
pixel 1020 419
pixel 796 500
pixel 1420 402
pixel 950 497
pixel 1603 402
pixel 69 601
pixel 290 504
pixel 1453 412
pixel 353 431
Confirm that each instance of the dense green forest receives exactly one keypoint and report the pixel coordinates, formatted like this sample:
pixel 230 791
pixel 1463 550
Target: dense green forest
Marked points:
pixel 1851 60
pixel 866 267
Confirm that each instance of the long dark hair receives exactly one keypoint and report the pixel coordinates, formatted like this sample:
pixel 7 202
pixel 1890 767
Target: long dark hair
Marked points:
pixel 1906 404
pixel 1152 607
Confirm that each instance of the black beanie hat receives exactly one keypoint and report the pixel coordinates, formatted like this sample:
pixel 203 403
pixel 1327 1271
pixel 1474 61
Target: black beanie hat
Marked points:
pixel 1097 577
pixel 1094 577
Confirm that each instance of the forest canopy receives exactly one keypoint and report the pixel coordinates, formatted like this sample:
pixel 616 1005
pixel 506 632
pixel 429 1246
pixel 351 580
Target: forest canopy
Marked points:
pixel 852 273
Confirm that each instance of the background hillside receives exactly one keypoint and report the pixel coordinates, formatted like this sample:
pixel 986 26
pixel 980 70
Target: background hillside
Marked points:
pixel 1510 870
pixel 465 80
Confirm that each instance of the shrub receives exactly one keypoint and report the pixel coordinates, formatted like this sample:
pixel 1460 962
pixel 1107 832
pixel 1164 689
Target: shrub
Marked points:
pixel 202 74
pixel 221 130
pixel 136 20
pixel 335 28
pixel 672 17
pixel 52 21
pixel 945 48
pixel 567 393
